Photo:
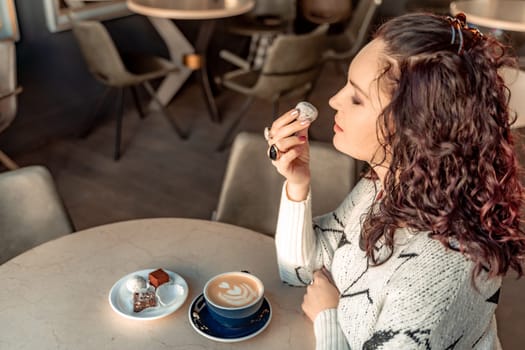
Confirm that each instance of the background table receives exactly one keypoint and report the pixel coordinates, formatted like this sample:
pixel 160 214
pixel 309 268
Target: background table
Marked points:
pixel 498 14
pixel 55 296
pixel 161 13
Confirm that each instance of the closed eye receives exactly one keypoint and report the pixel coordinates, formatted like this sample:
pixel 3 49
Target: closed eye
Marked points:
pixel 356 100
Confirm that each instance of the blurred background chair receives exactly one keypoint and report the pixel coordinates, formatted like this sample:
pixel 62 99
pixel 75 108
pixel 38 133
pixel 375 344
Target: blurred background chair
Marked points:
pixel 31 211
pixel 326 11
pixel 8 92
pixel 251 187
pixel 267 16
pixel 108 67
pixel 289 69
pixel 344 46
pixel 262 24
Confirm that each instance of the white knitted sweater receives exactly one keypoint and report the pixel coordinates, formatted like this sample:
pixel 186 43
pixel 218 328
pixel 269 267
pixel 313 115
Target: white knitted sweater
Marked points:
pixel 421 298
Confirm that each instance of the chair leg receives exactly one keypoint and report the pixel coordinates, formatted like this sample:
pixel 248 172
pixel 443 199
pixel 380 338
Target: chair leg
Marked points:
pixel 201 47
pixel 95 115
pixel 275 111
pixel 227 136
pixel 135 94
pixel 174 125
pixel 120 116
pixel 208 94
pixel 7 161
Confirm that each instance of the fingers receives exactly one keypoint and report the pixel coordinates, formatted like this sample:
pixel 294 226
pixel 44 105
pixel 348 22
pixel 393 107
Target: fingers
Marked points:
pixel 320 295
pixel 319 275
pixel 323 276
pixel 286 118
pixel 287 125
pixel 288 143
pixel 284 163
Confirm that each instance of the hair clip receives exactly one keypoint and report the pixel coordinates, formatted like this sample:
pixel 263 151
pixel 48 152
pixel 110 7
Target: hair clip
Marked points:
pixel 458 23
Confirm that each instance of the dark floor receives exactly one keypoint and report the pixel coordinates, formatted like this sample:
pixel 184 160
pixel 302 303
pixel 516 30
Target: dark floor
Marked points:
pixel 160 175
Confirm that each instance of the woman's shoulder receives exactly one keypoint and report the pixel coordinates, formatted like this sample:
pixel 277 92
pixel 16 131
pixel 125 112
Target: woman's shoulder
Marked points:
pixel 429 260
pixel 429 252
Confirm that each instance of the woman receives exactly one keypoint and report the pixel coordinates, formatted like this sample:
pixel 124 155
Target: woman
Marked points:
pixel 413 257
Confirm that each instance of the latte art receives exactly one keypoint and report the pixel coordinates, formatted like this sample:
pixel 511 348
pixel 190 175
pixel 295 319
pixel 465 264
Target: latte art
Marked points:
pixel 236 294
pixel 233 290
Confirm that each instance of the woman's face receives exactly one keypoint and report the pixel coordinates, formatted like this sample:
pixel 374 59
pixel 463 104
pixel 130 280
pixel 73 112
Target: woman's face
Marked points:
pixel 358 105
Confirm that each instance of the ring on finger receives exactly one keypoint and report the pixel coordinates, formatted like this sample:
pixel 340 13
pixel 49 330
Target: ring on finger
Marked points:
pixel 273 152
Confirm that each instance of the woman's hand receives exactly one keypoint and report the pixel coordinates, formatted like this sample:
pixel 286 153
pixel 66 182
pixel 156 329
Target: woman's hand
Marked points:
pixel 321 295
pixel 290 136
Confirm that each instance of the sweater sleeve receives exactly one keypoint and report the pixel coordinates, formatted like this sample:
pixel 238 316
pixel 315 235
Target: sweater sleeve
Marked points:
pixel 328 334
pixel 305 244
pixel 295 240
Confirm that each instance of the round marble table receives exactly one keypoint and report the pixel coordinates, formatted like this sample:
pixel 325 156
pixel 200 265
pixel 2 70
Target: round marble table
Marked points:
pixel 191 9
pixel 55 296
pixel 161 12
pixel 497 14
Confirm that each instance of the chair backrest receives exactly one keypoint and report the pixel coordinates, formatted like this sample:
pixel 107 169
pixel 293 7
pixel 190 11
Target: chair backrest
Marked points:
pixel 8 102
pixel 100 53
pixel 31 211
pixel 358 28
pixel 291 62
pixel 284 9
pixel 252 187
pixel 326 11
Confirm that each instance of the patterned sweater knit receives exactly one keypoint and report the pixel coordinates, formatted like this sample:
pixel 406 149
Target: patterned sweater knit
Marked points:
pixel 420 298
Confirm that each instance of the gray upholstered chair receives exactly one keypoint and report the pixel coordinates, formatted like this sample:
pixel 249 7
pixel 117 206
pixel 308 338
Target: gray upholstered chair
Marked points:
pixel 8 92
pixel 266 17
pixel 31 211
pixel 108 67
pixel 341 48
pixel 290 66
pixel 251 187
pixel 346 45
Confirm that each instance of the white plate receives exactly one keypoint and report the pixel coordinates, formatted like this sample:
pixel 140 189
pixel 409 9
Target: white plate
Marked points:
pixel 121 299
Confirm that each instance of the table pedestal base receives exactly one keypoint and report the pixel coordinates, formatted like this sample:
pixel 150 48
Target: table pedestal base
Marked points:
pixel 178 47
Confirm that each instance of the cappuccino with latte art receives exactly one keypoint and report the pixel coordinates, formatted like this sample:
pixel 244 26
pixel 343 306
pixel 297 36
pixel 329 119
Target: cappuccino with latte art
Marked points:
pixel 233 298
pixel 233 291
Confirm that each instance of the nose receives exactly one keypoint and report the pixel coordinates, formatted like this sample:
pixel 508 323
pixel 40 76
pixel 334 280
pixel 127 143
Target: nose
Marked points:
pixel 333 101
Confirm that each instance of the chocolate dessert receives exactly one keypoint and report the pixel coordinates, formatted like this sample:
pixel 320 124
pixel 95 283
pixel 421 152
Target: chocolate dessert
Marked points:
pixel 158 277
pixel 143 300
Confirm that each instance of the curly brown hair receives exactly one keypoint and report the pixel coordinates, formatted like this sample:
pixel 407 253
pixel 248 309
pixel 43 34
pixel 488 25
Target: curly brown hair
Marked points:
pixel 453 171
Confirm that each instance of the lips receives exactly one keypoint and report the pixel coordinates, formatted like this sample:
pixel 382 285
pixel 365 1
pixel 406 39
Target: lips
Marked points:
pixel 337 128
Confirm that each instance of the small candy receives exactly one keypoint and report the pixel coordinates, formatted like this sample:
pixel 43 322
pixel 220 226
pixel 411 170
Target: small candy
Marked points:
pixel 158 277
pixel 307 111
pixel 135 283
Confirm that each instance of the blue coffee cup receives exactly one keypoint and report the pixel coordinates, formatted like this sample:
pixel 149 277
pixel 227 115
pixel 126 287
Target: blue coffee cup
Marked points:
pixel 233 298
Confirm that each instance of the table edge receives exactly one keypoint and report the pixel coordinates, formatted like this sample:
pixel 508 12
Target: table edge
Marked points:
pixel 487 22
pixel 185 14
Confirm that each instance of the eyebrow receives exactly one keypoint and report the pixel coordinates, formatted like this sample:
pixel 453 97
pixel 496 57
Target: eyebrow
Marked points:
pixel 358 88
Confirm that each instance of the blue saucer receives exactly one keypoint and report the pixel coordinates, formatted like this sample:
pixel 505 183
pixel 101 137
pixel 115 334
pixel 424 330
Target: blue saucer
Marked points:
pixel 207 326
